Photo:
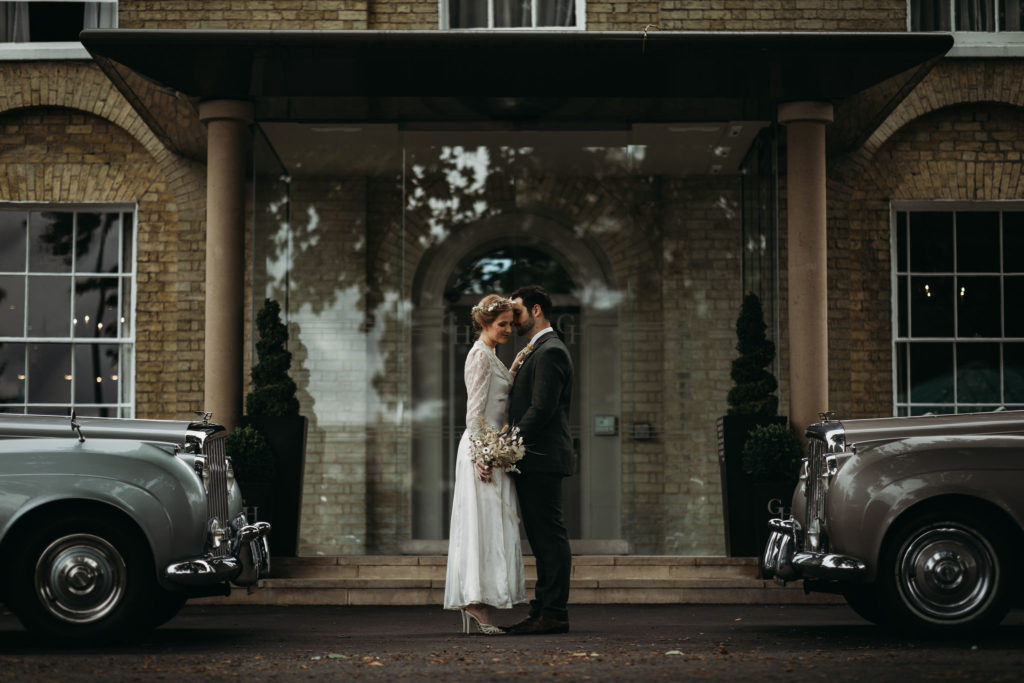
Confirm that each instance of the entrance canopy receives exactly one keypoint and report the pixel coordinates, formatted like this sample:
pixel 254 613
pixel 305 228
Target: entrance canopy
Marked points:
pixel 539 80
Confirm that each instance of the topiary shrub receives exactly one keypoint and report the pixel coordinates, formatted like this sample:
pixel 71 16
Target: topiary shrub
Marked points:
pixel 251 455
pixel 273 392
pixel 772 451
pixel 754 387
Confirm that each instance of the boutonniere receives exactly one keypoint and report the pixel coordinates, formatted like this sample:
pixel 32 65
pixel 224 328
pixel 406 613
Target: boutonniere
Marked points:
pixel 521 357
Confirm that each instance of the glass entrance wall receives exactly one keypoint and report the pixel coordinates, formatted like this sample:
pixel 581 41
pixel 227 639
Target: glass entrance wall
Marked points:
pixel 377 243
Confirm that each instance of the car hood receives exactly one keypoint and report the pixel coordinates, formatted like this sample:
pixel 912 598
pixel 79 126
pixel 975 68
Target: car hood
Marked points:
pixel 1009 422
pixel 48 426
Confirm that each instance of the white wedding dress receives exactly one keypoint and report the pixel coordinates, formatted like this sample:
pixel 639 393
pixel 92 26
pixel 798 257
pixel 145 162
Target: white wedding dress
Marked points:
pixel 485 561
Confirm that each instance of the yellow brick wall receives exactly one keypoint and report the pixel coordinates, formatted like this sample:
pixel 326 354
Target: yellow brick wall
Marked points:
pixel 262 15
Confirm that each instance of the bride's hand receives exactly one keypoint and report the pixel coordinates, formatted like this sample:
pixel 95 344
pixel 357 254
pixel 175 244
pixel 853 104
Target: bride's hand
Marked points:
pixel 518 361
pixel 483 472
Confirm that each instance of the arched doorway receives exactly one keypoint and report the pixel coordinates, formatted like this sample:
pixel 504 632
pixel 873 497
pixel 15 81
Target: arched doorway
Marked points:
pixel 499 255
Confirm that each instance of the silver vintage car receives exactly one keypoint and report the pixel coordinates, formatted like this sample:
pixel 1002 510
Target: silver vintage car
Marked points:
pixel 107 526
pixel 917 521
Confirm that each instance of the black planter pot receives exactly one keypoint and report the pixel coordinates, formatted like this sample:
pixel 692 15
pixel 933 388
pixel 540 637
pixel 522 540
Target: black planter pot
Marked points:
pixel 740 510
pixel 287 439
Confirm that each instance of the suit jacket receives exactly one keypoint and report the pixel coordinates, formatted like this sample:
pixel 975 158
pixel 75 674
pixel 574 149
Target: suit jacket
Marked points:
pixel 539 404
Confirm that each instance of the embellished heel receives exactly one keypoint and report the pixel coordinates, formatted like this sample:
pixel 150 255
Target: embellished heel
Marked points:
pixel 486 629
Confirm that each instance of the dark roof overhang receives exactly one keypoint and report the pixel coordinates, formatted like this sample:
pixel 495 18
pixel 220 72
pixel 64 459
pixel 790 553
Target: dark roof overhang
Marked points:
pixel 521 78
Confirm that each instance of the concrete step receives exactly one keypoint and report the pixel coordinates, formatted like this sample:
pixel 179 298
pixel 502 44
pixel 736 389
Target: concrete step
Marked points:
pixel 596 579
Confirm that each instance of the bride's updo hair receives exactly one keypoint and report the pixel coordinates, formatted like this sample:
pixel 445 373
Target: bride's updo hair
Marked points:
pixel 488 310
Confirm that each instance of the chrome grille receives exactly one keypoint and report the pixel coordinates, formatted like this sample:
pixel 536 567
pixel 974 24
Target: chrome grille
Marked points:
pixel 217 482
pixel 816 486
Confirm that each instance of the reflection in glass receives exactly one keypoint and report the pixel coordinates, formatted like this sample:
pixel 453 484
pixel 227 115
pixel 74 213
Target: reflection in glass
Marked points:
pixel 49 373
pixel 49 306
pixel 1010 15
pixel 1013 242
pixel 979 307
pixel 467 13
pixel 12 237
pixel 12 305
pixel 901 242
pixel 931 242
pixel 931 373
pixel 96 373
pixel 504 270
pixel 127 247
pixel 931 306
pixel 556 12
pixel 1013 372
pixel 96 307
pixel 50 238
pixel 975 15
pixel 977 373
pixel 12 373
pixel 512 13
pixel 902 307
pixel 97 242
pixel 901 373
pixel 977 242
pixel 929 15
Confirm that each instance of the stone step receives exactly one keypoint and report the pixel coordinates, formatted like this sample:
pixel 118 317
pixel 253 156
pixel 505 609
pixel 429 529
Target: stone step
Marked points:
pixel 599 579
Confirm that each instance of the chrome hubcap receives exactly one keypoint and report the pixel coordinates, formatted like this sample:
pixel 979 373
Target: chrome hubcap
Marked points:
pixel 80 578
pixel 947 573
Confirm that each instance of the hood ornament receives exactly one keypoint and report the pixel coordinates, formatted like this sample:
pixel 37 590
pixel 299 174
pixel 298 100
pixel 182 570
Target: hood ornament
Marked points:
pixel 205 415
pixel 75 427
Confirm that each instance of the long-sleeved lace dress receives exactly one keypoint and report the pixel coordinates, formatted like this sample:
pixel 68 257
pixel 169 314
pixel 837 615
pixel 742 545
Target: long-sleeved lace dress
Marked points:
pixel 485 562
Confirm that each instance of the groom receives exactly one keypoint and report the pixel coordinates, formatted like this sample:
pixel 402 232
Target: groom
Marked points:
pixel 539 405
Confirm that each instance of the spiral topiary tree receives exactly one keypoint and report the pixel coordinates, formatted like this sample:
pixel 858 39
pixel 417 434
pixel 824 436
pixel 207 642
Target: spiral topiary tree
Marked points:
pixel 273 391
pixel 754 387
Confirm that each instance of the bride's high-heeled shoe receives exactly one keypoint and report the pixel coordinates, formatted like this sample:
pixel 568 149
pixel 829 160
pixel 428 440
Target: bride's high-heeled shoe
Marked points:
pixel 486 629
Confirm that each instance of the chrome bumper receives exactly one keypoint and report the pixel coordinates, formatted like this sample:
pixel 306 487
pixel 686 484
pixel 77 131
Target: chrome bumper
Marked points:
pixel 248 561
pixel 784 561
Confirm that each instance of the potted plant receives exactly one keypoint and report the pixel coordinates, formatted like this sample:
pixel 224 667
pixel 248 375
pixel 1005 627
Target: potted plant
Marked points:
pixel 771 459
pixel 752 402
pixel 272 409
pixel 255 469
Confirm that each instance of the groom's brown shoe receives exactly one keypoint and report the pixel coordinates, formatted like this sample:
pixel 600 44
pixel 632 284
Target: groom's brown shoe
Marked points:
pixel 535 626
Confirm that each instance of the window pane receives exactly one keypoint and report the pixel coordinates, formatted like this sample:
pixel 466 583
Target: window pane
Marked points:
pixel 904 322
pixel 901 373
pixel 12 305
pixel 50 235
pixel 512 13
pixel 931 373
pixel 931 242
pixel 977 242
pixel 979 307
pixel 97 242
pixel 127 257
pixel 49 306
pixel 96 373
pixel 556 12
pixel 49 373
pixel 1010 15
pixel 929 15
pixel 931 410
pixel 1014 288
pixel 1013 372
pixel 12 373
pixel 1013 242
pixel 977 373
pixel 901 242
pixel 467 14
pixel 12 237
pixel 975 15
pixel 96 307
pixel 931 306
pixel 56 21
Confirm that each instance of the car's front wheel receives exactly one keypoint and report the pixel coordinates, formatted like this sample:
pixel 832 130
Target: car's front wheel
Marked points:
pixel 947 570
pixel 81 578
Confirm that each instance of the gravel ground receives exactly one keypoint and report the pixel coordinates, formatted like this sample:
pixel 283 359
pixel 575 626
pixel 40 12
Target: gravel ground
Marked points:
pixel 607 642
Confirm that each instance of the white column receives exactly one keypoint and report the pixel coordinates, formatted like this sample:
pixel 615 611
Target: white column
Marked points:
pixel 228 138
pixel 807 256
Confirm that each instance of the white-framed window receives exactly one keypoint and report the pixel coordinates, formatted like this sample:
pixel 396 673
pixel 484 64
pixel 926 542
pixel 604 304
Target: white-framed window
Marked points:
pixel 980 27
pixel 48 29
pixel 67 292
pixel 958 285
pixel 512 14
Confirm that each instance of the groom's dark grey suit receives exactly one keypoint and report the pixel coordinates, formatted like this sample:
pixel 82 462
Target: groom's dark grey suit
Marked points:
pixel 539 404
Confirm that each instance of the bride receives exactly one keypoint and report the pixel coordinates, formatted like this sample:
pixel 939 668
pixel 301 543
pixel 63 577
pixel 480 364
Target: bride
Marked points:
pixel 485 563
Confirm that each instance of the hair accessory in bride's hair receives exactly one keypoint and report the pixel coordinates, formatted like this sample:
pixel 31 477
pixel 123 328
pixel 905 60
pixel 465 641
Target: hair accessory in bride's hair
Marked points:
pixel 502 304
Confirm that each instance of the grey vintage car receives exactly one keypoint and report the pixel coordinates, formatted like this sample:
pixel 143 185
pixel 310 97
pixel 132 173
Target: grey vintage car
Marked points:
pixel 107 526
pixel 917 521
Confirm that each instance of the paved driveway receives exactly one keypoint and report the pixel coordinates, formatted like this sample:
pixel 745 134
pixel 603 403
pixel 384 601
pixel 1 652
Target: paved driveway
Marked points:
pixel 607 642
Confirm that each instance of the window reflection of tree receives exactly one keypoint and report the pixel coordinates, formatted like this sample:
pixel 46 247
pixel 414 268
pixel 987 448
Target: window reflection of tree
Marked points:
pixel 503 270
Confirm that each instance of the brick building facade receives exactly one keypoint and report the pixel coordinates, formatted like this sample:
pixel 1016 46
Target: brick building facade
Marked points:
pixel 362 260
